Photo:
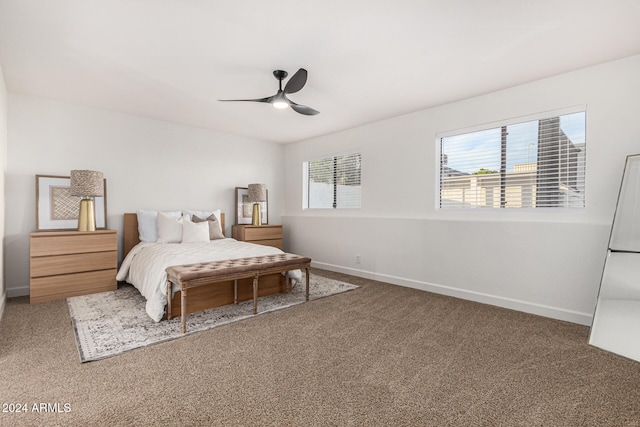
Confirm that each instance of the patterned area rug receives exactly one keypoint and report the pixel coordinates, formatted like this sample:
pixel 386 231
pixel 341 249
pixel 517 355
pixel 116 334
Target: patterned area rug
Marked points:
pixel 110 323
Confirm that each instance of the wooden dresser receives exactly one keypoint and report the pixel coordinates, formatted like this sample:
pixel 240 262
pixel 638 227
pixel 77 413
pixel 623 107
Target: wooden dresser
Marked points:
pixel 269 235
pixel 70 263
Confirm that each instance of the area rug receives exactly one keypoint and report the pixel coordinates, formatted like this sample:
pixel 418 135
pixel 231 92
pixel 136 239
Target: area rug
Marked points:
pixel 111 323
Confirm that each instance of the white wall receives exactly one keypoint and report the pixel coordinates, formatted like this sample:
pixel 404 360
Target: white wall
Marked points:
pixel 148 164
pixel 549 263
pixel 3 164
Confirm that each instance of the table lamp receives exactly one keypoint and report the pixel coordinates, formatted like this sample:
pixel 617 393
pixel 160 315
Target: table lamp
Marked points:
pixel 87 184
pixel 257 195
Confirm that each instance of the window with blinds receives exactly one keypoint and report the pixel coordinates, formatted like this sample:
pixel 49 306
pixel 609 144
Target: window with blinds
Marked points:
pixel 332 182
pixel 534 164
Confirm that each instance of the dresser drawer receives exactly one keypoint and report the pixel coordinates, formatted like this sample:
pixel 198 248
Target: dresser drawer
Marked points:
pixel 68 285
pixel 70 263
pixel 74 263
pixel 262 233
pixel 269 235
pixel 55 243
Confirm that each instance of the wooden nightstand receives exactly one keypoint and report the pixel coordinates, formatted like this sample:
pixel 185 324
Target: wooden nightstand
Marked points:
pixel 269 235
pixel 69 263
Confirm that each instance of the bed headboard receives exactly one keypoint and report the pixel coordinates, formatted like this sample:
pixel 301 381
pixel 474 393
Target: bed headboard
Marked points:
pixel 131 236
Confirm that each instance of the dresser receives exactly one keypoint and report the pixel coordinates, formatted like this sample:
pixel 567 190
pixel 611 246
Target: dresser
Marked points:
pixel 70 263
pixel 269 235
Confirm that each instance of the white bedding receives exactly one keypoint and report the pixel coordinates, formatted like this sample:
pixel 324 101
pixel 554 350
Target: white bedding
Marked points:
pixel 144 266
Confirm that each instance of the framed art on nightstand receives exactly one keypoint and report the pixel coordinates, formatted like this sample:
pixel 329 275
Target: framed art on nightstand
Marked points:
pixel 244 209
pixel 57 209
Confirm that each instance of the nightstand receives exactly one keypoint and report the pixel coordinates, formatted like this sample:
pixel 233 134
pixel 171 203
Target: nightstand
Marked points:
pixel 269 235
pixel 70 263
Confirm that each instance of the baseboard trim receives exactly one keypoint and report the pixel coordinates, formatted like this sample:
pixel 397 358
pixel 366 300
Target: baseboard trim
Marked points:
pixel 512 304
pixel 18 292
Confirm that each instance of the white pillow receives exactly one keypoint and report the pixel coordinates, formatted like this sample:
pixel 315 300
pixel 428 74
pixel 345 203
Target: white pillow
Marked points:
pixel 169 229
pixel 204 214
pixel 194 232
pixel 148 224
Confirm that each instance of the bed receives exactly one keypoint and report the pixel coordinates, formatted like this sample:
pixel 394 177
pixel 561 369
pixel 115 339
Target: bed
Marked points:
pixel 145 263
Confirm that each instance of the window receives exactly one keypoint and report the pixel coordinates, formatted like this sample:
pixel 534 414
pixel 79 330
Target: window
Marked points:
pixel 332 182
pixel 534 164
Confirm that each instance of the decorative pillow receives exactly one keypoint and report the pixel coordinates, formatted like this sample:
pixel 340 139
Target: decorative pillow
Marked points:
pixel 214 226
pixel 169 229
pixel 204 214
pixel 194 232
pixel 148 224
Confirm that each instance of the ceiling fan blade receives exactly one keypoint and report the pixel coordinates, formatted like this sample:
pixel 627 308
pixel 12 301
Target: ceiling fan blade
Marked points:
pixel 303 109
pixel 296 82
pixel 267 99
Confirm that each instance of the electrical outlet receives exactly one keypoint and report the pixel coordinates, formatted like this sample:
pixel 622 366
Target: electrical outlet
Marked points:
pixel 358 259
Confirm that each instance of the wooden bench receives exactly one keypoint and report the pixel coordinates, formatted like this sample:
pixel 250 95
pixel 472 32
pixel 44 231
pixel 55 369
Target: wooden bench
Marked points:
pixel 207 273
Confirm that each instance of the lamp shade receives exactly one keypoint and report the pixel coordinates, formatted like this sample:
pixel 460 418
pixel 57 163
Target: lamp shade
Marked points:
pixel 86 183
pixel 257 193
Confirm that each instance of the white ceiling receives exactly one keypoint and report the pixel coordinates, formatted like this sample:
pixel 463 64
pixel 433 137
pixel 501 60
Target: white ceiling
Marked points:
pixel 367 59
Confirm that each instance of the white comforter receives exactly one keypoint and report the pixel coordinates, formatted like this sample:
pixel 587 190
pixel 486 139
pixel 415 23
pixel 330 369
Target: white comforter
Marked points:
pixel 144 267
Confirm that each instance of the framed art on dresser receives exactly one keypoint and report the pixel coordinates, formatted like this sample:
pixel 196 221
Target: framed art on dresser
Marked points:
pixel 57 209
pixel 244 208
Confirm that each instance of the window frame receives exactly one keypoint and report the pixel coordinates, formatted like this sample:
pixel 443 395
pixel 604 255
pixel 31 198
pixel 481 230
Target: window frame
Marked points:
pixel 305 181
pixel 582 108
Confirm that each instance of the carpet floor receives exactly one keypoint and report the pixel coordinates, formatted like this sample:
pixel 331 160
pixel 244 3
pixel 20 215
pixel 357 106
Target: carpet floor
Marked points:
pixel 379 356
pixel 110 323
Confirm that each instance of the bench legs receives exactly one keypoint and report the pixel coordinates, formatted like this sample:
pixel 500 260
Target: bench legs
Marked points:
pixel 168 300
pixel 255 294
pixel 183 306
pixel 235 291
pixel 183 297
pixel 183 309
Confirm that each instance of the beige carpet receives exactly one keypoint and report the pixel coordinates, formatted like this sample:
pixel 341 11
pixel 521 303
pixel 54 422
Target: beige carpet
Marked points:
pixel 107 324
pixel 384 355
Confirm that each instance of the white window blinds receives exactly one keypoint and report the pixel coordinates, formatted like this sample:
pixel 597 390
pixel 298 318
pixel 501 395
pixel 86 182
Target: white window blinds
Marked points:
pixel 332 182
pixel 533 164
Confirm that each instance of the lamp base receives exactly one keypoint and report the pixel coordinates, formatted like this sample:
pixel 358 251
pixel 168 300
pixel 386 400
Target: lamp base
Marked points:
pixel 256 218
pixel 87 216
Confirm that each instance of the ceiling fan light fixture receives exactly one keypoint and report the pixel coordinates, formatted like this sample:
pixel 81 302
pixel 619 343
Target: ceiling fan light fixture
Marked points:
pixel 279 101
pixel 280 105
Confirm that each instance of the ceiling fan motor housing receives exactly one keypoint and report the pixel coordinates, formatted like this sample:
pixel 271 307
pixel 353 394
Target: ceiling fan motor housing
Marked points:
pixel 280 74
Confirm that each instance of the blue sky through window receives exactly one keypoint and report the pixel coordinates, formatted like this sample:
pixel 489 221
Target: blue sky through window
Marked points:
pixel 470 152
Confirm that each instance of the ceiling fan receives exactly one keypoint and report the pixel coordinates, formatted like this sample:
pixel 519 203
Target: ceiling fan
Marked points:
pixel 280 100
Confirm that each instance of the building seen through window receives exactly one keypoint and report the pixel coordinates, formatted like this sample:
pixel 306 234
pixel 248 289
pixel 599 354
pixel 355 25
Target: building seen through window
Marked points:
pixel 534 164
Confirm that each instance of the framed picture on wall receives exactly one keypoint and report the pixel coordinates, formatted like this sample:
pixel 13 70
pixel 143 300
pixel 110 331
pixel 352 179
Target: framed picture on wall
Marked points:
pixel 57 209
pixel 244 209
